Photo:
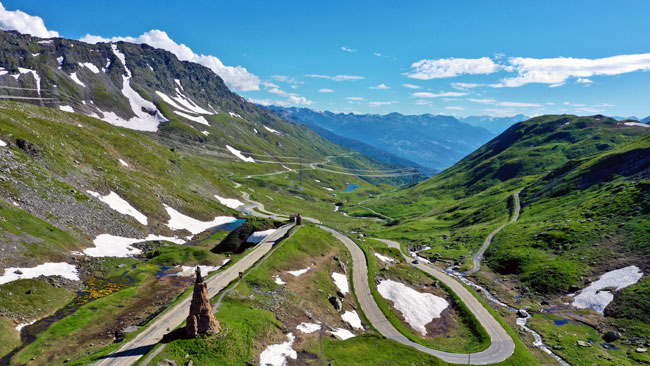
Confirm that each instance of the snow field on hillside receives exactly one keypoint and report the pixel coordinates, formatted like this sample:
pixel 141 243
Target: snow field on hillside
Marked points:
pixel 178 221
pixel 117 203
pixel 594 297
pixel 277 354
pixel 62 269
pixel 418 309
pixel 229 202
pixel 238 154
pixel 341 281
pixel 258 236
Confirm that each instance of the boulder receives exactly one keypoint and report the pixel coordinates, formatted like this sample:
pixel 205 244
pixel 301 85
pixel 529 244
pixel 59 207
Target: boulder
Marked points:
pixel 611 336
pixel 336 302
pixel 522 313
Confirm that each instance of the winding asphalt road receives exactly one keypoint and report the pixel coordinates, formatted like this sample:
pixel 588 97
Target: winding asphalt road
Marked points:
pixel 132 350
pixel 501 344
pixel 479 255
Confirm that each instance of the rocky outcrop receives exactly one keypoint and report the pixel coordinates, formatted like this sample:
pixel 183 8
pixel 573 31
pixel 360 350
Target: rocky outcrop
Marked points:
pixel 201 319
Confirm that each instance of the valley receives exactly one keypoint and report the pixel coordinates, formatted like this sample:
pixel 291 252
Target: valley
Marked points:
pixel 322 237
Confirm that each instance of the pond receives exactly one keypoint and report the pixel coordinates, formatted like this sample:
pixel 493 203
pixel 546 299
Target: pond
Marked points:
pixel 351 187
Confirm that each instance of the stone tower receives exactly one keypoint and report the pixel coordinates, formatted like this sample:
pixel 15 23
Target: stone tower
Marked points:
pixel 201 319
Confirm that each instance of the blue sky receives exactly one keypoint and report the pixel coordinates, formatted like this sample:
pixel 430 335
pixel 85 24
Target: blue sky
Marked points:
pixel 469 58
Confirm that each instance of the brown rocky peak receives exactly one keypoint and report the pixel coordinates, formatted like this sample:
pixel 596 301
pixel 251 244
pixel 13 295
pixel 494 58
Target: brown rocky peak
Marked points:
pixel 201 319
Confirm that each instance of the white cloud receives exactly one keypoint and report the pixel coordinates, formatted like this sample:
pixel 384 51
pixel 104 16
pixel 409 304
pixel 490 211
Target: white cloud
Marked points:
pixel 465 86
pixel 354 98
pixel 556 71
pixel 336 77
pixel 348 49
pixel 286 79
pixel 260 101
pixel 498 112
pixel 377 54
pixel 377 104
pixel 504 104
pixel 411 86
pixel 380 87
pixel 584 81
pixel 423 102
pixel 449 67
pixel 267 84
pixel 325 90
pixel 277 91
pixel 455 108
pixel 237 77
pixel 297 99
pixel 24 23
pixel 437 95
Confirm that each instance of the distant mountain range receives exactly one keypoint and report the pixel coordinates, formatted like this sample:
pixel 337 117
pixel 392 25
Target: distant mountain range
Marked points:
pixel 432 141
pixel 494 124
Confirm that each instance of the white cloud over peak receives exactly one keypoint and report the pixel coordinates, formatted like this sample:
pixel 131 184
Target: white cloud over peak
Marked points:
pixel 325 90
pixel 378 104
pixel 380 86
pixel 348 49
pixel 236 77
pixel 286 79
pixel 505 104
pixel 24 23
pixel 411 86
pixel 336 77
pixel 354 98
pixel 437 95
pixel 556 71
pixel 449 67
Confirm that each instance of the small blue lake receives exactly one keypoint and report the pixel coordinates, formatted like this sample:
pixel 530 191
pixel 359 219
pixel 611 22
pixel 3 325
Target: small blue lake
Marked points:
pixel 561 321
pixel 351 187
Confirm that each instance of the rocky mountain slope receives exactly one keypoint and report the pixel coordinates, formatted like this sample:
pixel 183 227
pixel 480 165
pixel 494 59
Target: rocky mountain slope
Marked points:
pixel 434 141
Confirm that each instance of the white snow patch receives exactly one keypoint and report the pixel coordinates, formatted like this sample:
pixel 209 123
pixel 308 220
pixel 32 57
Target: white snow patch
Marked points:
pixel 352 318
pixel 235 115
pixel 143 121
pixel 35 54
pixel 418 309
pixel 65 270
pixel 74 78
pixel 316 180
pixel 107 245
pixel 66 108
pixel 90 66
pixel 187 271
pixel 205 132
pixel 299 272
pixel 2 143
pixel 189 103
pixel 20 326
pixel 277 354
pixel 229 202
pixel 197 119
pixel 342 334
pixel 124 163
pixel 594 297
pixel 178 82
pixel 255 129
pixel 258 236
pixel 637 124
pixel 272 130
pixel 47 41
pixel 22 70
pixel 171 102
pixel 150 68
pixel 341 281
pixel 328 189
pixel 178 221
pixel 117 203
pixel 60 61
pixel 384 258
pixel 238 154
pixel 308 327
pixel 278 280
